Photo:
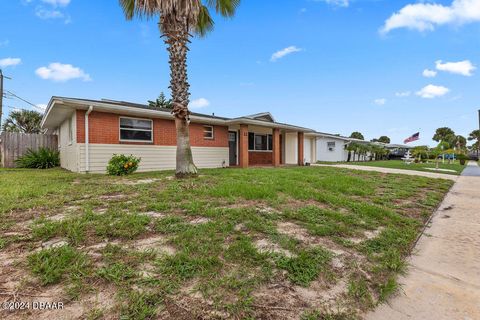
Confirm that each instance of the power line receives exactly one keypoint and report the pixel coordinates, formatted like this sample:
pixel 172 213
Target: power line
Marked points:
pixel 20 98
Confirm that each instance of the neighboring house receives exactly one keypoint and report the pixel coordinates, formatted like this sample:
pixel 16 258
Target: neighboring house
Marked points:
pixel 91 131
pixel 331 148
pixel 397 151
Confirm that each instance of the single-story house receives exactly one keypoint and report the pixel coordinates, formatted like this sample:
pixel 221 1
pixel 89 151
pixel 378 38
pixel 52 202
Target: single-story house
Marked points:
pixel 331 148
pixel 91 131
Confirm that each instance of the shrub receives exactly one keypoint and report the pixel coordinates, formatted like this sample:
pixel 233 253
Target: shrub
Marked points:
pixel 44 158
pixel 121 164
pixel 462 158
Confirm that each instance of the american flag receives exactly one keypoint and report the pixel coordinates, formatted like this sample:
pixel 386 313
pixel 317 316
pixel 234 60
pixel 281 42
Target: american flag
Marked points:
pixel 414 137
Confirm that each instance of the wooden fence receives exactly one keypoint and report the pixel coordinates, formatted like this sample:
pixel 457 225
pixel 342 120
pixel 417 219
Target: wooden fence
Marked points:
pixel 14 144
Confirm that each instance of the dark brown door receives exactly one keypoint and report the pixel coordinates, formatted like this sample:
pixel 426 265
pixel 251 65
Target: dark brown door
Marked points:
pixel 232 147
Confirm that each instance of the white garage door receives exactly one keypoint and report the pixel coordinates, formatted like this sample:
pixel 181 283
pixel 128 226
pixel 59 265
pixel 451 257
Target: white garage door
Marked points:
pixel 307 149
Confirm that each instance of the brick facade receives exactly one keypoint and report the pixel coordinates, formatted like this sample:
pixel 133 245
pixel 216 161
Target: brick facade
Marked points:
pixel 104 129
pixel 260 158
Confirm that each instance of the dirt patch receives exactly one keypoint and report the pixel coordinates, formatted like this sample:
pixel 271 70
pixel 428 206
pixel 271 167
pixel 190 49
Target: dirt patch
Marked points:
pixel 200 220
pixel 266 246
pixel 284 301
pixel 54 243
pixel 113 196
pixel 154 214
pixel 157 243
pixel 138 182
pixel 301 234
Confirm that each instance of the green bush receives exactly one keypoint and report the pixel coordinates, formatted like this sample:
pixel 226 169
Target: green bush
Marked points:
pixel 462 158
pixel 44 158
pixel 121 164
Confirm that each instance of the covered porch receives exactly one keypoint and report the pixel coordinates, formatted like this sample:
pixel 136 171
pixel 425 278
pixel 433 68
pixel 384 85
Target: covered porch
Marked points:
pixel 259 141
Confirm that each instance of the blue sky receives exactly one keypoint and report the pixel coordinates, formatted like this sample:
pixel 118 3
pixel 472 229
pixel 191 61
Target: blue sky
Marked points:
pixel 333 65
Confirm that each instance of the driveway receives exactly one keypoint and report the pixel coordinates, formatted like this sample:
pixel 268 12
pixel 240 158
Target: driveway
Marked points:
pixel 443 280
pixel 391 170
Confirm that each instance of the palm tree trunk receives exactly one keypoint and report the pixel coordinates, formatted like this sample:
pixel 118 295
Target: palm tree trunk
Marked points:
pixel 177 39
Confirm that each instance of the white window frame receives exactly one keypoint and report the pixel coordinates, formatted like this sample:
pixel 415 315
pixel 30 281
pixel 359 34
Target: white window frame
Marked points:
pixel 268 145
pixel 131 140
pixel 70 130
pixel 331 149
pixel 213 133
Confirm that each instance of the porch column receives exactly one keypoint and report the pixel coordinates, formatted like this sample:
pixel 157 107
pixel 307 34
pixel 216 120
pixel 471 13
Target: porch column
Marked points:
pixel 300 136
pixel 276 147
pixel 243 146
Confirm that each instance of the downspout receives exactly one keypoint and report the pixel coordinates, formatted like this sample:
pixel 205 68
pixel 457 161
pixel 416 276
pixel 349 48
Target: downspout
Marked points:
pixel 87 151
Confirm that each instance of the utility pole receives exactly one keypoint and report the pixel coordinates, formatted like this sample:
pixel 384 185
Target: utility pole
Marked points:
pixel 1 96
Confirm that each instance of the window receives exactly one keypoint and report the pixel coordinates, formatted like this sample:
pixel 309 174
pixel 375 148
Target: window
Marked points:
pixel 260 142
pixel 331 146
pixel 208 132
pixel 132 129
pixel 70 130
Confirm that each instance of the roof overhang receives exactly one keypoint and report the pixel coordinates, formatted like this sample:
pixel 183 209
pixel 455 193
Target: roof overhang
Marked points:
pixel 59 109
pixel 267 124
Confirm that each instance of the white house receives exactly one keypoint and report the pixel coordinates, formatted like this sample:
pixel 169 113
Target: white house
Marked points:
pixel 331 147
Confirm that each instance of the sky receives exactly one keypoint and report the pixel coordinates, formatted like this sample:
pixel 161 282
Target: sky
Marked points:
pixel 380 67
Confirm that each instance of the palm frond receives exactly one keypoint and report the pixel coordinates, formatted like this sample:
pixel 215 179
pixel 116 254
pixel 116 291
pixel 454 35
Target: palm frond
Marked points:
pixel 205 22
pixel 226 8
pixel 141 8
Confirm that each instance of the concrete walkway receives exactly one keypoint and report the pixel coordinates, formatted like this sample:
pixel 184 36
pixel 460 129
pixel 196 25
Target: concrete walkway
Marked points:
pixel 390 170
pixel 443 280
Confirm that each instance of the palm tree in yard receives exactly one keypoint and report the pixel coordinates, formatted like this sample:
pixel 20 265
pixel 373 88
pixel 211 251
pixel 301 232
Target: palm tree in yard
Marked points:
pixel 178 20
pixel 475 135
pixel 26 121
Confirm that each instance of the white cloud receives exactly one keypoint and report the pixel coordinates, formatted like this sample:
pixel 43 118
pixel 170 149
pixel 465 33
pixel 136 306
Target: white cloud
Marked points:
pixel 303 10
pixel 56 3
pixel 199 103
pixel 45 14
pixel 426 16
pixel 62 72
pixel 284 52
pixel 427 73
pixel 403 94
pixel 432 91
pixel 4 43
pixel 338 3
pixel 10 62
pixel 465 68
pixel 380 102
pixel 41 106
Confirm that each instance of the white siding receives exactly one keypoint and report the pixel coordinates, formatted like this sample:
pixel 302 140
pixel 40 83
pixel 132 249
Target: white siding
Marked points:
pixel 336 155
pixel 291 148
pixel 153 157
pixel 309 149
pixel 68 149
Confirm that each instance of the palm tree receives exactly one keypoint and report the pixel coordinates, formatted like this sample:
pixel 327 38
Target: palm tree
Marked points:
pixel 26 121
pixel 475 135
pixel 178 19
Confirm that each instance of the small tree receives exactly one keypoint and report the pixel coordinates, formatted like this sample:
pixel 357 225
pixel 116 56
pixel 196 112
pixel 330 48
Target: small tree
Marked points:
pixel 161 102
pixel 475 135
pixel 357 135
pixel 26 121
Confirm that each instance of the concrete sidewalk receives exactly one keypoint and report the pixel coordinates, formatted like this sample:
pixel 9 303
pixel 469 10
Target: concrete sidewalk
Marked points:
pixel 390 170
pixel 443 279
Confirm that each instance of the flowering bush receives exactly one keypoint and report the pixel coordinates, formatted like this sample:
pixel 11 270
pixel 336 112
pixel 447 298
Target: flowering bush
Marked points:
pixel 121 164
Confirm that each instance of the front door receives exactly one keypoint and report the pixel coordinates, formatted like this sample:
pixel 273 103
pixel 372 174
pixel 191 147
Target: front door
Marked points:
pixel 232 147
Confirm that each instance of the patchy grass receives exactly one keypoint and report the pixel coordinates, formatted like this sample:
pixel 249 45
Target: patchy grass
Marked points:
pixel 399 164
pixel 324 243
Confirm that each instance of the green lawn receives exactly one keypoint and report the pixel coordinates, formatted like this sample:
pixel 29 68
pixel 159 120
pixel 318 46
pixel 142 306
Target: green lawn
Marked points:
pixel 323 243
pixel 399 164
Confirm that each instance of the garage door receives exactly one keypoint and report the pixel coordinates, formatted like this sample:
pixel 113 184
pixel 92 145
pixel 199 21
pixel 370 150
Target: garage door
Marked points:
pixel 307 149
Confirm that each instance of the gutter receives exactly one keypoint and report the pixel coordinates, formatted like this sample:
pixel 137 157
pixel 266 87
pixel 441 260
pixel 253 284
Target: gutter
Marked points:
pixel 87 153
